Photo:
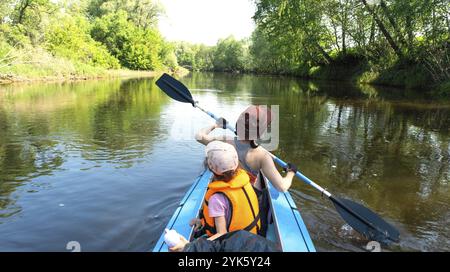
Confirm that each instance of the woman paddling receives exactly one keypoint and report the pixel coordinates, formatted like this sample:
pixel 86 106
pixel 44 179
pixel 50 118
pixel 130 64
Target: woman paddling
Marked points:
pixel 251 125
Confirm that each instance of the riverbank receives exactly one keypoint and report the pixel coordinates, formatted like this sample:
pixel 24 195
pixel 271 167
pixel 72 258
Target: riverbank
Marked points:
pixel 95 73
pixel 13 78
pixel 400 75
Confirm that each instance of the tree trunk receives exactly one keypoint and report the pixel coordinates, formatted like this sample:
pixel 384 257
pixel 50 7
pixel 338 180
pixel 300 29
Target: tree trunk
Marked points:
pixel 372 31
pixel 385 32
pixel 336 37
pixel 324 53
pixel 344 26
pixel 22 9
pixel 409 32
pixel 393 24
pixel 344 47
pixel 448 23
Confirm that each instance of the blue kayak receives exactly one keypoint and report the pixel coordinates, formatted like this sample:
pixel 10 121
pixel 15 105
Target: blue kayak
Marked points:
pixel 287 229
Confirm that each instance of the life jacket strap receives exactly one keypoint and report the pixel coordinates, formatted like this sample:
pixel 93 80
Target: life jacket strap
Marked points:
pixel 255 217
pixel 253 224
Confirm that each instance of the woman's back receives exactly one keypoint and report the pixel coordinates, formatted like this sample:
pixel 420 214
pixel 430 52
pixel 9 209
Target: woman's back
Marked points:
pixel 249 157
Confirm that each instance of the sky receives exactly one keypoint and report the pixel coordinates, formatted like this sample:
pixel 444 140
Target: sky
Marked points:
pixel 206 21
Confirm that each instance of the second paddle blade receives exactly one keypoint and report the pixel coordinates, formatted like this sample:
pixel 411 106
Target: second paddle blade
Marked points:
pixel 378 229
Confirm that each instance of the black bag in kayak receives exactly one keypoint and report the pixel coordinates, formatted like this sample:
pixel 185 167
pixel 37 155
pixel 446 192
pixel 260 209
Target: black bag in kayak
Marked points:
pixel 236 241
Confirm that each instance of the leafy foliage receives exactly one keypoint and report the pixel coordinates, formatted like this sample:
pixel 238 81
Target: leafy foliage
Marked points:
pixel 370 39
pixel 142 13
pixel 195 57
pixel 134 47
pixel 100 33
pixel 301 35
pixel 69 37
pixel 228 55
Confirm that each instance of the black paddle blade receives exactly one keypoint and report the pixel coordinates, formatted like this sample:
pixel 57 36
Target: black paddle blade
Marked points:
pixel 365 221
pixel 175 89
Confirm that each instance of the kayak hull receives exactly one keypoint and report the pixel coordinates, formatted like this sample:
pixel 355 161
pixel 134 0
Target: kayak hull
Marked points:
pixel 287 229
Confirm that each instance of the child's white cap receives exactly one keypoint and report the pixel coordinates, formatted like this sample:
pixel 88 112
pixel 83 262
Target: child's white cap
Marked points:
pixel 221 157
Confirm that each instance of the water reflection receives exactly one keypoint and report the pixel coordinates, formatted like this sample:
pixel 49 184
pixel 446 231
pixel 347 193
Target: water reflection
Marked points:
pixel 43 125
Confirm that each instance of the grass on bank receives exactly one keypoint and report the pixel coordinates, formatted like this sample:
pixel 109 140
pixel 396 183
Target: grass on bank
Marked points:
pixel 37 64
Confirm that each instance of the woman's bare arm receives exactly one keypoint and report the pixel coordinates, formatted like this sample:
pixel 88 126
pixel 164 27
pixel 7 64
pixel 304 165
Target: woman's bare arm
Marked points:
pixel 282 184
pixel 203 136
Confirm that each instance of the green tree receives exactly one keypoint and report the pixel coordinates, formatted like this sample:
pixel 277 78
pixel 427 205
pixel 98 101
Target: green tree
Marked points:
pixel 31 16
pixel 134 47
pixel 297 26
pixel 197 57
pixel 230 55
pixel 267 56
pixel 5 10
pixel 143 13
pixel 204 58
pixel 167 55
pixel 69 37
pixel 185 53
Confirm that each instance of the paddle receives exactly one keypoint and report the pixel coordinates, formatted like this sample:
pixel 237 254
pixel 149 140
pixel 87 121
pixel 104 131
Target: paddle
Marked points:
pixel 357 216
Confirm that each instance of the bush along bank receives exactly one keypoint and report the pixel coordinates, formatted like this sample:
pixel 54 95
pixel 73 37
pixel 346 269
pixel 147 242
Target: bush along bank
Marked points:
pixel 408 75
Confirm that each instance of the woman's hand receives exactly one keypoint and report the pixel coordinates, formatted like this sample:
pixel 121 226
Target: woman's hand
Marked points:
pixel 180 246
pixel 282 184
pixel 221 123
pixel 290 167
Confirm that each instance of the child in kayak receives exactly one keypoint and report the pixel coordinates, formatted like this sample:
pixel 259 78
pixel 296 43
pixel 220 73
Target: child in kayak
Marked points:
pixel 230 202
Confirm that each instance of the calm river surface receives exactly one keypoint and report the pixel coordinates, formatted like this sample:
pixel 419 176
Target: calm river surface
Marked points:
pixel 105 163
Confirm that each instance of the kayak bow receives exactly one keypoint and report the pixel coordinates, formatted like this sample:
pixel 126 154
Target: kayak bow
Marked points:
pixel 287 228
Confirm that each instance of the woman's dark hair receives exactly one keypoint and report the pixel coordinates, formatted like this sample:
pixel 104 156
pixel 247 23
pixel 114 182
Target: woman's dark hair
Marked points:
pixel 253 144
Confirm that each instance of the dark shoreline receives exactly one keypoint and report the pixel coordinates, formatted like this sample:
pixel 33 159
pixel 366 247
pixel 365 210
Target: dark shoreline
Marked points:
pixel 11 79
pixel 442 89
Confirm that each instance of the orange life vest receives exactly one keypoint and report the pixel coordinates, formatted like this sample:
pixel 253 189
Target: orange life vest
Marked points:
pixel 243 203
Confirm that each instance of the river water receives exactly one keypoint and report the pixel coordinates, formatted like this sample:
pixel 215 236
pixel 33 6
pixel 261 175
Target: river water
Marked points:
pixel 105 163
